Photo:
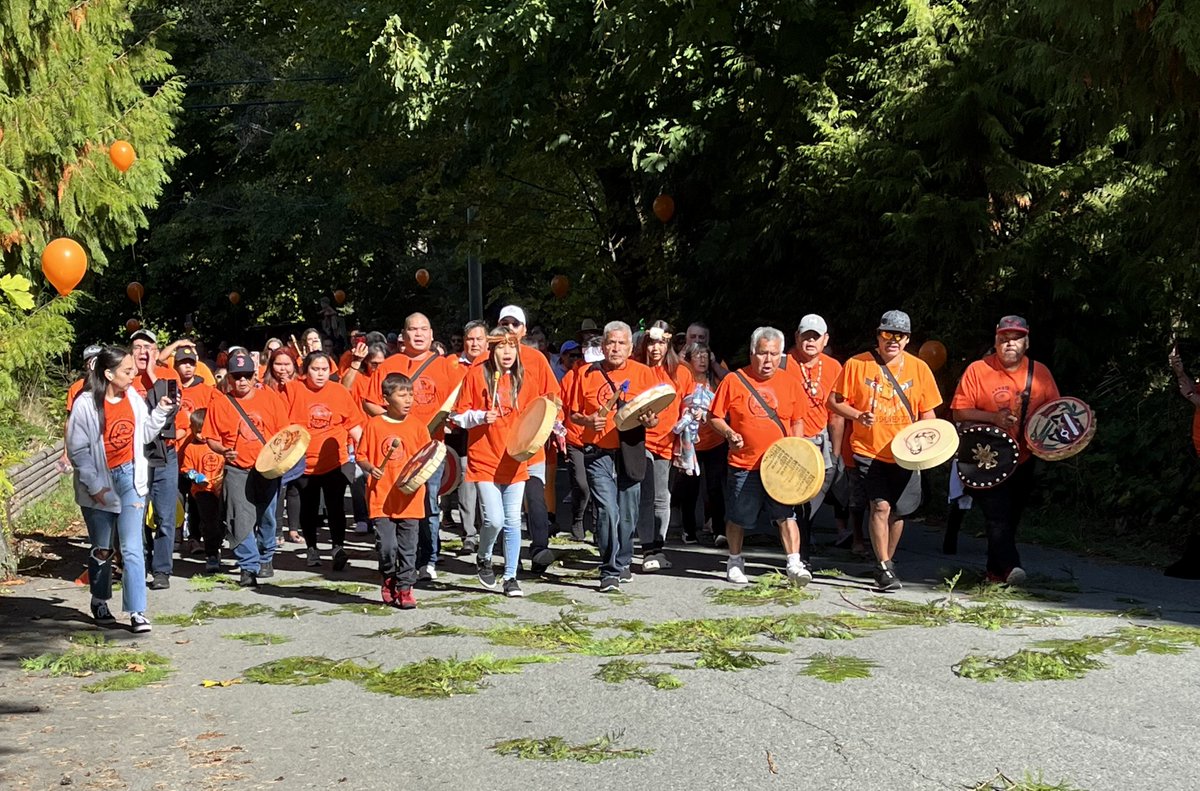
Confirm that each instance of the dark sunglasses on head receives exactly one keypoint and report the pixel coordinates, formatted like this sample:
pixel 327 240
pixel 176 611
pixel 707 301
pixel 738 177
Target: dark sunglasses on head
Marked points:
pixel 888 335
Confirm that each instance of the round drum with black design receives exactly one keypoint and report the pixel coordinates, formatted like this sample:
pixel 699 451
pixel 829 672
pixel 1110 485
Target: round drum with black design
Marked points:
pixel 282 451
pixel 1059 429
pixel 925 444
pixel 792 471
pixel 987 456
pixel 421 467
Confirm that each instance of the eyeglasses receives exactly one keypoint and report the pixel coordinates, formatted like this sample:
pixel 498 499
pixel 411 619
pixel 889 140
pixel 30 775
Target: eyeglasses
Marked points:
pixel 240 376
pixel 888 335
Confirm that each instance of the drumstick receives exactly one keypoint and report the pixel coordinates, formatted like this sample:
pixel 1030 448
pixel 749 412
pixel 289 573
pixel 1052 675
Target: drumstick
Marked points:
pixel 874 393
pixel 391 449
pixel 607 407
pixel 296 345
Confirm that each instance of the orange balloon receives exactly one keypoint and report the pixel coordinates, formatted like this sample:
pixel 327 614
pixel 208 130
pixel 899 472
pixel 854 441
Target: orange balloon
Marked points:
pixel 133 325
pixel 933 353
pixel 339 297
pixel 135 292
pixel 235 297
pixel 560 285
pixel 64 263
pixel 664 207
pixel 423 277
pixel 122 155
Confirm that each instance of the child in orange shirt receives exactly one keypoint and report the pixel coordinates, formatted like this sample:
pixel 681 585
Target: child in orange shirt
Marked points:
pixel 206 470
pixel 388 442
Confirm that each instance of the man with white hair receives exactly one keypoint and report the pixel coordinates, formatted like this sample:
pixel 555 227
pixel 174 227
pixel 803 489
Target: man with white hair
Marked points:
pixel 752 409
pixel 615 460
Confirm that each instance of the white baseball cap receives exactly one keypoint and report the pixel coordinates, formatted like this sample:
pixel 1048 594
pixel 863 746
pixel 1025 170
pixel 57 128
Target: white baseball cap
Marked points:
pixel 512 312
pixel 812 323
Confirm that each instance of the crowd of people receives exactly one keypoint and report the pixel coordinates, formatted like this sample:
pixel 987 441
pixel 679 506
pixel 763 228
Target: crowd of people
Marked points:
pixel 149 424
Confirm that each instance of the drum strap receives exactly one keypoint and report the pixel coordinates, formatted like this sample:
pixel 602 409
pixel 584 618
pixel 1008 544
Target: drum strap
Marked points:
pixel 428 361
pixel 762 402
pixel 246 418
pixel 1025 398
pixel 895 385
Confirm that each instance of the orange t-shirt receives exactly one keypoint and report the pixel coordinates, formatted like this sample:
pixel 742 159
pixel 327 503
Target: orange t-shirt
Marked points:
pixel 201 458
pixel 266 411
pixel 118 432
pixel 660 440
pixel 988 386
pixel 823 374
pixel 708 437
pixel 592 391
pixel 430 391
pixel 487 459
pixel 865 387
pixel 735 404
pixel 383 498
pixel 574 431
pixel 539 380
pixel 73 392
pixel 328 414
pixel 191 398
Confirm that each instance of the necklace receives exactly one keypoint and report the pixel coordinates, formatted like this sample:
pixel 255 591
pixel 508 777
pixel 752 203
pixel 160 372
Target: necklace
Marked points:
pixel 812 385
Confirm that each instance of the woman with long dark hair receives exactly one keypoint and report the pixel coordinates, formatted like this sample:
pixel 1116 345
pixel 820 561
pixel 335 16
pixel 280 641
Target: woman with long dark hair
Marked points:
pixel 711 453
pixel 107 432
pixel 332 418
pixel 280 369
pixel 488 407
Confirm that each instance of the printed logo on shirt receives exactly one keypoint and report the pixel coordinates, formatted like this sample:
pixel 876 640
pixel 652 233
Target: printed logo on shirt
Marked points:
pixel 210 466
pixel 385 447
pixel 424 392
pixel 768 395
pixel 320 417
pixel 120 433
pixel 244 431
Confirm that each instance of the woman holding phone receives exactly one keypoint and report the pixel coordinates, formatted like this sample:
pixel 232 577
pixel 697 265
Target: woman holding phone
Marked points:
pixel 107 432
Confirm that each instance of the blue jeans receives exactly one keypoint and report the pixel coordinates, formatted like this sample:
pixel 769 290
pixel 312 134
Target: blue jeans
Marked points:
pixel 128 524
pixel 428 538
pixel 617 499
pixel 163 495
pixel 501 511
pixel 250 514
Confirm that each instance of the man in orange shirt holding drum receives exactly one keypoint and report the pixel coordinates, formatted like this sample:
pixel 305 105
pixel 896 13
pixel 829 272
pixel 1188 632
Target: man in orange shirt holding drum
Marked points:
pixel 1004 389
pixel 752 409
pixel 881 392
pixel 615 461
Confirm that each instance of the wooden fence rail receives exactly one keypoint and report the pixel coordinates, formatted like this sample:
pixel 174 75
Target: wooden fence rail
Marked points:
pixel 32 480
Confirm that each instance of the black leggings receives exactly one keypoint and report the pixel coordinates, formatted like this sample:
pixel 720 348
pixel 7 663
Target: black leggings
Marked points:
pixel 288 503
pixel 333 485
pixel 687 488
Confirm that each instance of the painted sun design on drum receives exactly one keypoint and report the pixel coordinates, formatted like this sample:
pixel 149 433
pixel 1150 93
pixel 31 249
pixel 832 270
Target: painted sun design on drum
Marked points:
pixel 985 457
pixel 920 441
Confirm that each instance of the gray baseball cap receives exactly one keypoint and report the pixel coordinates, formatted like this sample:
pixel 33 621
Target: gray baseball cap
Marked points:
pixel 896 321
pixel 812 323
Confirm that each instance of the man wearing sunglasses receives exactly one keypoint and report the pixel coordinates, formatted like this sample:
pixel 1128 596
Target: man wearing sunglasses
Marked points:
pixel 880 392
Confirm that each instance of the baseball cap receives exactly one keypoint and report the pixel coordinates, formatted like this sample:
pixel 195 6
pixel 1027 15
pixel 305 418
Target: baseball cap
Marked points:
pixel 512 312
pixel 92 351
pixel 896 321
pixel 1013 324
pixel 812 323
pixel 240 363
pixel 186 355
pixel 144 335
pixel 568 346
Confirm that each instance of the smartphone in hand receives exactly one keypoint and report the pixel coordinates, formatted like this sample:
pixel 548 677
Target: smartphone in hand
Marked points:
pixel 173 390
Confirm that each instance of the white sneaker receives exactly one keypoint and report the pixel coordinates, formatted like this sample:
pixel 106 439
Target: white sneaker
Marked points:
pixel 798 574
pixel 314 558
pixel 139 622
pixel 1016 576
pixel 427 573
pixel 662 561
pixel 736 571
pixel 650 564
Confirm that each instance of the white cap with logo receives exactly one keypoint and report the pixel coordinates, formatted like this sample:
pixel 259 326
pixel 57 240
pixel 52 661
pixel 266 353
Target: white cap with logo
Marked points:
pixel 812 323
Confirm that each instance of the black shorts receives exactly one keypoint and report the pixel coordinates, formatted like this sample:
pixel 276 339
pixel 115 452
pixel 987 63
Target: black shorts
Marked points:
pixel 888 482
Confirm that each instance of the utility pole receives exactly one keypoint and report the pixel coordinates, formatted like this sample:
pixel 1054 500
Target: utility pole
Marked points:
pixel 474 271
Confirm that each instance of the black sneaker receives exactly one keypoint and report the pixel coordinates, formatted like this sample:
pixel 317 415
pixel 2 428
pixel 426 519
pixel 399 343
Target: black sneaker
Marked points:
pixel 101 614
pixel 266 571
pixel 610 584
pixel 470 545
pixel 537 569
pixel 577 533
pixel 885 577
pixel 339 559
pixel 139 622
pixel 248 579
pixel 626 575
pixel 160 582
pixel 512 588
pixel 487 576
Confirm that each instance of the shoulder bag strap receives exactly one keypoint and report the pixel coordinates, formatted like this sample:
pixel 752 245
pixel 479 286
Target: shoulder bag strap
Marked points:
pixel 616 390
pixel 762 402
pixel 246 418
pixel 1025 397
pixel 428 361
pixel 895 385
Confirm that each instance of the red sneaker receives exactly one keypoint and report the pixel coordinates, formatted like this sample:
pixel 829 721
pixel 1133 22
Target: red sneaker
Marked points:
pixel 405 599
pixel 387 591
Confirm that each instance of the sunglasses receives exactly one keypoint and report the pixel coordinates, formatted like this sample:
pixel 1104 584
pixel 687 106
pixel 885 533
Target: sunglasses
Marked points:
pixel 240 376
pixel 888 335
